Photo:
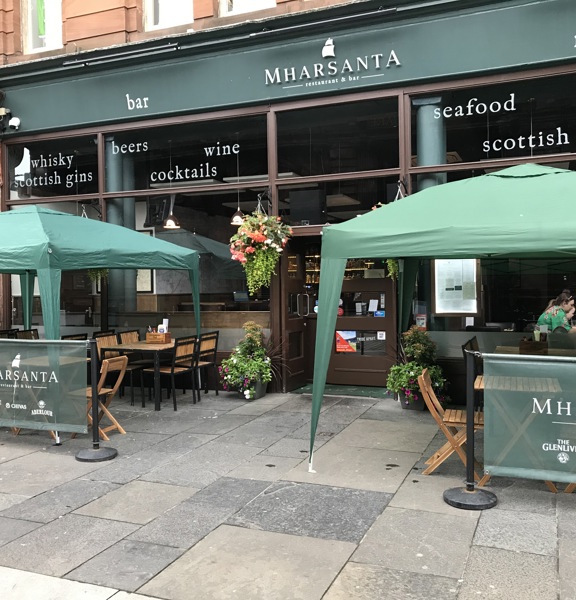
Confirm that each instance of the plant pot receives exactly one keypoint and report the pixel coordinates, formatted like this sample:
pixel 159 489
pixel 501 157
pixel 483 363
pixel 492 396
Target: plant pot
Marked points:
pixel 407 404
pixel 259 391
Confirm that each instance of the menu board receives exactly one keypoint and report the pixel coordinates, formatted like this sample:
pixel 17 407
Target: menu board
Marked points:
pixel 455 286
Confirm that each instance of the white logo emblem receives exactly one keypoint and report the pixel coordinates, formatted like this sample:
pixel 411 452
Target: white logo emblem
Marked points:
pixel 563 457
pixel 329 51
pixel 16 362
pixel 41 404
pixel 7 405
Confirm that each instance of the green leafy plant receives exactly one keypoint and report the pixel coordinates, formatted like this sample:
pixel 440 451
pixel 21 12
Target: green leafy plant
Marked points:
pixel 403 378
pixel 248 363
pixel 392 268
pixel 96 274
pixel 257 246
pixel 418 351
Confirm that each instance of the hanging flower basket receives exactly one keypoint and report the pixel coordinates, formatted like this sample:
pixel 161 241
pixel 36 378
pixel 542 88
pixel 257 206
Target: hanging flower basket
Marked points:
pixel 257 246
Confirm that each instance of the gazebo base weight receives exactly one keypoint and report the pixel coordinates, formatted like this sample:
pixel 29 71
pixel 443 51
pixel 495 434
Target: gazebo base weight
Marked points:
pixel 470 499
pixel 96 454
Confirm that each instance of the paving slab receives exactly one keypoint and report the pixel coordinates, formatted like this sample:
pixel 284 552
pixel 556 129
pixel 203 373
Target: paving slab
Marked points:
pixel 391 435
pixel 181 443
pixel 137 502
pixel 418 541
pixel 229 492
pixel 426 492
pixel 303 404
pixel 60 501
pixel 184 525
pixel 22 585
pixel 202 466
pixel 35 473
pixel 12 529
pixel 291 448
pixel 62 545
pixel 233 562
pixel 10 451
pixel 523 495
pixel 504 575
pixel 8 500
pixel 218 424
pixel 140 562
pixel 517 531
pixel 566 562
pixel 265 467
pixel 259 434
pixel 370 582
pixel 361 468
pixel 313 510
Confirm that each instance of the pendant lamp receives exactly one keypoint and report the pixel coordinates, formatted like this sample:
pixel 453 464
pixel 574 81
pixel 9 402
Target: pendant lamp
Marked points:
pixel 171 221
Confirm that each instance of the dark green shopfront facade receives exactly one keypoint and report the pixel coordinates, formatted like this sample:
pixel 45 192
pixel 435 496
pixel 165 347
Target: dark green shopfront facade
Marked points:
pixel 322 114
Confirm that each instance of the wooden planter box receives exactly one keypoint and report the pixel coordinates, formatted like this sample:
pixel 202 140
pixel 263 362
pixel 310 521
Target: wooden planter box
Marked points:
pixel 158 338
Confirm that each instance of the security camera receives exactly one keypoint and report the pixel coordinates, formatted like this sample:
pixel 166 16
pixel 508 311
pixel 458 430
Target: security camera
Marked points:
pixel 14 123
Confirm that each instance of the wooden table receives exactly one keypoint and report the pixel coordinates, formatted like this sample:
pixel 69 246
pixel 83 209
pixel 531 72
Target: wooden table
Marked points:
pixel 155 350
pixel 517 384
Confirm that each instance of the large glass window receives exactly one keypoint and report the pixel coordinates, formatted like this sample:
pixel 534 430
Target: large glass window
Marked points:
pixel 510 120
pixel 53 168
pixel 359 136
pixel 188 156
pixel 334 201
pixel 167 13
pixel 42 24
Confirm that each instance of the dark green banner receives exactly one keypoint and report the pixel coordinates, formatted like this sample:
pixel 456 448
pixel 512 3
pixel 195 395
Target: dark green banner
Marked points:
pixel 43 385
pixel 530 417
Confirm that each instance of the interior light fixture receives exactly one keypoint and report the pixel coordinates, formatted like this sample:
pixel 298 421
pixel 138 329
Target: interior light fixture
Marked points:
pixel 171 221
pixel 238 216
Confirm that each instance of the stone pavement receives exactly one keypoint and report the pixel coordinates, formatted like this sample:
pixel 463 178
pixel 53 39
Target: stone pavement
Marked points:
pixel 215 502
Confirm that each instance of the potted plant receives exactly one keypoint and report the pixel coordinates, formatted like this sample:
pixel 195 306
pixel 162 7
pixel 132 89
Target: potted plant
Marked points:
pixel 257 246
pixel 418 352
pixel 248 369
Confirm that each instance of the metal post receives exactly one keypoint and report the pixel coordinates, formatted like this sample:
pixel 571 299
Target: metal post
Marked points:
pixel 470 497
pixel 95 454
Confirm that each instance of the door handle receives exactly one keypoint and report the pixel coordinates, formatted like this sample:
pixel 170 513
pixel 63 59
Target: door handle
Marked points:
pixel 298 312
pixel 307 296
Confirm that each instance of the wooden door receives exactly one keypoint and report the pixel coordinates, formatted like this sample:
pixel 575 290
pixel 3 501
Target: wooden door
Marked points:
pixel 296 306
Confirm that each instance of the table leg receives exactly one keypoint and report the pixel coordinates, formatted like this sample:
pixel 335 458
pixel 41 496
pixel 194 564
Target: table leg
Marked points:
pixel 157 390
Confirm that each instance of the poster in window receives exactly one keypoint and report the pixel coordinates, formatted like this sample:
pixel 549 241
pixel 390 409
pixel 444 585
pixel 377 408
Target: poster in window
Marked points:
pixel 456 286
pixel 345 341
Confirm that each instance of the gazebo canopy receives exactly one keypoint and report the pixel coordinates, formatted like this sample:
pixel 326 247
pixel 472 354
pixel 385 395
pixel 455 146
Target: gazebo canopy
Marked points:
pixel 503 214
pixel 40 242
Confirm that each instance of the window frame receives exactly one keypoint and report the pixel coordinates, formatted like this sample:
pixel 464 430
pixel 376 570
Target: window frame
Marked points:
pixel 52 38
pixel 244 6
pixel 185 7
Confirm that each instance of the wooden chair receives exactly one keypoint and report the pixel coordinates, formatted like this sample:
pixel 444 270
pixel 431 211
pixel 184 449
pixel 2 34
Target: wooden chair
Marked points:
pixel 452 423
pixel 115 367
pixel 136 362
pixel 27 334
pixel 8 333
pixel 75 336
pixel 207 348
pixel 104 341
pixel 184 362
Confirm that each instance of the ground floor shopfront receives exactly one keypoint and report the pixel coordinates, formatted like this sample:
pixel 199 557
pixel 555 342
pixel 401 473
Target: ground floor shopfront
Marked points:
pixel 313 155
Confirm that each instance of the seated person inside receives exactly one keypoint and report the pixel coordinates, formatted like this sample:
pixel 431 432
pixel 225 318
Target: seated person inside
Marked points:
pixel 558 314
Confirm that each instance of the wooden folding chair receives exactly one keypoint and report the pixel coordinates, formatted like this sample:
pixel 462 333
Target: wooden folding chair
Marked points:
pixel 452 423
pixel 117 367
